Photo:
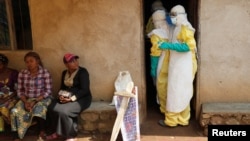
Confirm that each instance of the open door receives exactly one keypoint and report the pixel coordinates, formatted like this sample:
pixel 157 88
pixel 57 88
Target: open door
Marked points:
pixel 191 7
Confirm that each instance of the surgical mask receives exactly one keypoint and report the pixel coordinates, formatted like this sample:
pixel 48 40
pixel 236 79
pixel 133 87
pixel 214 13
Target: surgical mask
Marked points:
pixel 174 20
pixel 168 19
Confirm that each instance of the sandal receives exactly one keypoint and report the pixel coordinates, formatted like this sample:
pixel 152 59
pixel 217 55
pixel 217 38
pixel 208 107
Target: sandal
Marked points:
pixel 42 134
pixel 52 136
pixel 40 139
pixel 71 139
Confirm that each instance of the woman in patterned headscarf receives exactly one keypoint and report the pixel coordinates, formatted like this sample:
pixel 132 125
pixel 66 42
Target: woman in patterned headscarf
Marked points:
pixel 8 81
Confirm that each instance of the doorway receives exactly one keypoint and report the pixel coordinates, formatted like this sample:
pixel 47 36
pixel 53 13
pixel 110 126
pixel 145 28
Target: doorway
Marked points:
pixel 191 7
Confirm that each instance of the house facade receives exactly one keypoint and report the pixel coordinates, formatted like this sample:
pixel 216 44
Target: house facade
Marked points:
pixel 108 36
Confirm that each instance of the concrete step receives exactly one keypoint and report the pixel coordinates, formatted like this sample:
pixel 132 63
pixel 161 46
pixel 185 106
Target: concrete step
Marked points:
pixel 99 117
pixel 224 114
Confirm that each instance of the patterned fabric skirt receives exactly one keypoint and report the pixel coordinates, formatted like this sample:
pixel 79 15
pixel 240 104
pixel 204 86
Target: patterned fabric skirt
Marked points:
pixel 22 119
pixel 5 108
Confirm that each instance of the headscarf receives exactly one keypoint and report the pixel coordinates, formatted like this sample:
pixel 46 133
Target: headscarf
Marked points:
pixel 4 59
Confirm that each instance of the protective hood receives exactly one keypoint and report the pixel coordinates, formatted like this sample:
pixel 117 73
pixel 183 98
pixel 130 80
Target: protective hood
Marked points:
pixel 159 19
pixel 179 14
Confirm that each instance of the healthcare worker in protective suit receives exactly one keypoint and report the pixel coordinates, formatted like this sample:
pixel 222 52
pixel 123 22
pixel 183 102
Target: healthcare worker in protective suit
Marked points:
pixel 156 5
pixel 181 69
pixel 159 58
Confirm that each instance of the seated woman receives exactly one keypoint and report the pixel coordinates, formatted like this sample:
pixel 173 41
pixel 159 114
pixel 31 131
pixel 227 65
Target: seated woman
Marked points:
pixel 74 97
pixel 34 90
pixel 8 81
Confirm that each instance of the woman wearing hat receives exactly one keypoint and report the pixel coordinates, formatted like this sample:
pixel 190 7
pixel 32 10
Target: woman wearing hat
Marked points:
pixel 74 96
pixel 8 81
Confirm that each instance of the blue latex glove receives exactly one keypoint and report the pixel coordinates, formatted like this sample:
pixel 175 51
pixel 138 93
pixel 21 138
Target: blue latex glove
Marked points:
pixel 154 64
pixel 180 47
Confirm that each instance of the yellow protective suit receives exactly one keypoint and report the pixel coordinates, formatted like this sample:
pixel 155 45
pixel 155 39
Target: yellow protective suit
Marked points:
pixel 182 70
pixel 162 68
pixel 160 34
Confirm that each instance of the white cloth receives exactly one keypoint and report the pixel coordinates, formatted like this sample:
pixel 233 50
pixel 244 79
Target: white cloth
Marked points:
pixel 180 81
